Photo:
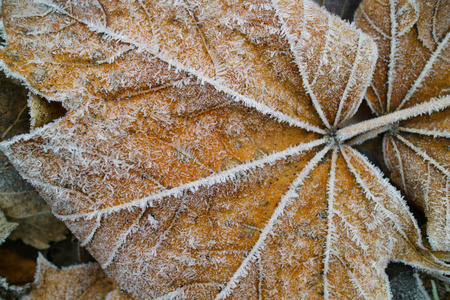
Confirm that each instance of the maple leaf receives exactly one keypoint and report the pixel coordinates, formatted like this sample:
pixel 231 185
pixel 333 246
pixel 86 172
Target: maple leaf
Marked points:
pixel 86 281
pixel 412 69
pixel 201 156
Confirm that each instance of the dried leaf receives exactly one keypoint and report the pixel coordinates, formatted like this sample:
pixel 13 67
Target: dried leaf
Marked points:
pixel 87 281
pixel 43 112
pixel 16 269
pixel 201 157
pixel 14 119
pixel 12 292
pixel 23 205
pixel 18 199
pixel 413 68
pixel 117 294
pixel 6 290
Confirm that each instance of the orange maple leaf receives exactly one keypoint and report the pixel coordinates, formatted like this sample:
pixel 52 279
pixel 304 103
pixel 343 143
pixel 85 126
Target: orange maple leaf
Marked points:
pixel 202 155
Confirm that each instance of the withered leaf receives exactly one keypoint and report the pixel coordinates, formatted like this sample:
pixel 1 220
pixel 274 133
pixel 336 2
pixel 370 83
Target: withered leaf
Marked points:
pixel 413 68
pixel 23 205
pixel 86 281
pixel 13 117
pixel 18 199
pixel 201 156
pixel 15 268
pixel 6 289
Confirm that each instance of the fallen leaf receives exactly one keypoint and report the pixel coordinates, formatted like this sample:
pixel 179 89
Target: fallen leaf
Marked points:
pixel 14 119
pixel 23 205
pixel 86 281
pixel 118 295
pixel 8 291
pixel 201 155
pixel 42 111
pixel 12 292
pixel 413 68
pixel 18 199
pixel 15 268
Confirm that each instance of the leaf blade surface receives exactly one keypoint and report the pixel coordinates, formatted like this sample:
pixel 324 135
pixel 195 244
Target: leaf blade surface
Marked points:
pixel 191 185
pixel 414 69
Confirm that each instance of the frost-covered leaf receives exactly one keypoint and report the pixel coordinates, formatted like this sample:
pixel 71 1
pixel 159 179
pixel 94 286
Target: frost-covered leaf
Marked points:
pixel 118 294
pixel 86 281
pixel 23 205
pixel 200 157
pixel 414 68
pixel 18 199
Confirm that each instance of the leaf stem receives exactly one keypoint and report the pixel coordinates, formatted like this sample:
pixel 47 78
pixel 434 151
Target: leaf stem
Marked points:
pixel 385 121
pixel 359 139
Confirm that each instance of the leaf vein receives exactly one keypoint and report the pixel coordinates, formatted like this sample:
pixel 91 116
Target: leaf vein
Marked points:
pixel 424 155
pixel 202 182
pixel 285 200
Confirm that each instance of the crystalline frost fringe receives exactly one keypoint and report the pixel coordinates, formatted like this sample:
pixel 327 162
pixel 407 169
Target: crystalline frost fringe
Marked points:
pixel 330 225
pixel 434 105
pixel 163 55
pixel 203 182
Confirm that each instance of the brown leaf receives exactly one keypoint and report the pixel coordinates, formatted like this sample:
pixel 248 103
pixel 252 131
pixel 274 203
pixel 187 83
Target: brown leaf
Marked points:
pixel 117 294
pixel 201 157
pixel 87 281
pixel 15 268
pixel 14 119
pixel 18 199
pixel 12 292
pixel 23 205
pixel 43 112
pixel 413 68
